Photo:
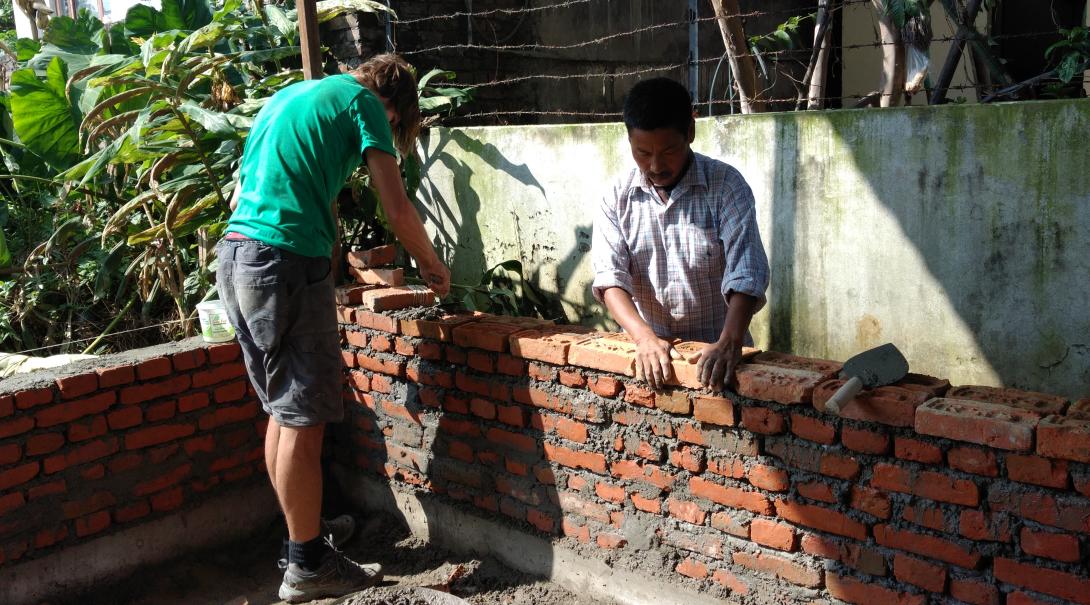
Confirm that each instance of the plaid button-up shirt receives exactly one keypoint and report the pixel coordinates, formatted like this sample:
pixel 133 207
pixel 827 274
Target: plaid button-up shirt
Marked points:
pixel 681 259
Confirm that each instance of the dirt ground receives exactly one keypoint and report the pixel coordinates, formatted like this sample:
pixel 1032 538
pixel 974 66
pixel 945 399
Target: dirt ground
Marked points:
pixel 245 573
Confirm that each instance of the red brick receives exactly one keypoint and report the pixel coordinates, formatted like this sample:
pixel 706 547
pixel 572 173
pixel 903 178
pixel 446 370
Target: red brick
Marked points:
pixel 173 386
pixel 998 426
pixel 12 452
pixel 43 443
pixel 784 385
pixel 692 568
pixel 226 415
pixel 505 364
pixel 82 431
pixel 730 496
pixel 87 452
pixel 10 502
pixel 1048 581
pixel 973 460
pixel 928 576
pixel 168 500
pixel 864 441
pixel 974 592
pixel 572 504
pixel 380 277
pixel 157 434
pixel 926 484
pixel 154 368
pixel 604 386
pixel 161 411
pixel 889 405
pixel 574 530
pixel 69 411
pixel 644 472
pixel 74 386
pixel 50 536
pixel 917 451
pixel 769 478
pixel 375 257
pixel 780 567
pixel 713 410
pixel 732 467
pixel 355 338
pixel 772 534
pixel 637 394
pixel 1021 598
pixel 93 523
pixel 816 490
pixel 854 591
pixel 15 427
pixel 763 420
pixel 647 505
pixel 540 520
pixel 7 405
pixel 821 518
pixel 688 458
pixel 1037 470
pixel 591 461
pixel 549 344
pixel 376 321
pixel 606 491
pixel 517 441
pixel 608 352
pixel 926 546
pixel 813 429
pixel 1064 437
pixel 33 397
pixel 571 430
pixel 689 512
pixel 223 352
pixel 984 527
pixel 934 387
pixel 871 501
pixel 1061 547
pixel 188 360
pixel 730 581
pixel 117 376
pixel 132 512
pixel 862 558
pixel 95 502
pixel 1041 404
pixel 125 418
pixel 676 401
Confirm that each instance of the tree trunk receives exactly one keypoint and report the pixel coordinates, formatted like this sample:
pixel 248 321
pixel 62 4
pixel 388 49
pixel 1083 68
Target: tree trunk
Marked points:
pixel 891 88
pixel 741 62
pixel 819 61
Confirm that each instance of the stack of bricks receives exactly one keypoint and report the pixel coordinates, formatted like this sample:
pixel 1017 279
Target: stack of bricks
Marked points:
pixel 918 492
pixel 382 286
pixel 92 452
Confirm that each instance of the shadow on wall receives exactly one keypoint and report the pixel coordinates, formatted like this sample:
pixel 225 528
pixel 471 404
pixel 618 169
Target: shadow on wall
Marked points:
pixel 458 224
pixel 991 200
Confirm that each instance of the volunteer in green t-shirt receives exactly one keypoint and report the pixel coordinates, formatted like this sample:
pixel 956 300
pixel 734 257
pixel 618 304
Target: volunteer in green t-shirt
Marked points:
pixel 275 278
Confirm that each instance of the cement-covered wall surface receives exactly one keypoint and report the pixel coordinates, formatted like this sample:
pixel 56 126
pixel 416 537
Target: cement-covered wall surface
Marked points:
pixel 960 233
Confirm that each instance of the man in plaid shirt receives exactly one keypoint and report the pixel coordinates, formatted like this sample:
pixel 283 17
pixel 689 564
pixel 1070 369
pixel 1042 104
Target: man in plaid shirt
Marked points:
pixel 676 249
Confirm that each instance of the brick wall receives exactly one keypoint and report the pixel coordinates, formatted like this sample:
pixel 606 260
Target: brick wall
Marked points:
pixel 120 441
pixel 920 492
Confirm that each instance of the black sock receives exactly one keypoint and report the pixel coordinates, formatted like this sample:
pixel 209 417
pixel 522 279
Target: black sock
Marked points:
pixel 307 555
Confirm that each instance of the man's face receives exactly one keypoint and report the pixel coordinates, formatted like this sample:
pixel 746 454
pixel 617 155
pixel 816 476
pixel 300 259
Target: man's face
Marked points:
pixel 392 115
pixel 660 154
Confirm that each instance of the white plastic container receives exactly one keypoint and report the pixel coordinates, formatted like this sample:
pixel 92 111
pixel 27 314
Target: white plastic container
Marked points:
pixel 214 324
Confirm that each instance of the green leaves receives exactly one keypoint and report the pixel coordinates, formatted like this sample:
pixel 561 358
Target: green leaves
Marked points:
pixel 444 98
pixel 900 11
pixel 44 119
pixel 143 21
pixel 1071 54
pixel 77 35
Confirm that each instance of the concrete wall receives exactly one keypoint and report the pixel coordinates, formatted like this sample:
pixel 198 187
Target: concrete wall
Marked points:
pixel 958 233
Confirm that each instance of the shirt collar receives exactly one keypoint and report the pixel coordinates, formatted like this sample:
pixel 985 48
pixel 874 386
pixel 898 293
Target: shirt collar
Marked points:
pixel 696 176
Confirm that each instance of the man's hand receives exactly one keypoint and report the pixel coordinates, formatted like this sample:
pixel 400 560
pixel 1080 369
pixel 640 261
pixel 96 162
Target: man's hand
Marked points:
pixel 437 277
pixel 653 356
pixel 716 364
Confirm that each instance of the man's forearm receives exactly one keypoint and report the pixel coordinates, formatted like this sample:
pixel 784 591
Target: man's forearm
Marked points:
pixel 740 309
pixel 407 226
pixel 623 310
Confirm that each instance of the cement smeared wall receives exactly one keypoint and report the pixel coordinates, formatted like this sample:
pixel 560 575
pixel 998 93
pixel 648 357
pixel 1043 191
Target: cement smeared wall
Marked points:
pixel 960 233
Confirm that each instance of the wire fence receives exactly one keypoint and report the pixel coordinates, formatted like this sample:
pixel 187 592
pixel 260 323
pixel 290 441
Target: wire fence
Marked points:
pixel 573 60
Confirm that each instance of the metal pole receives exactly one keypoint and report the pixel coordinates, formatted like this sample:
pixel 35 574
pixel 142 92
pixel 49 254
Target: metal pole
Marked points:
pixel 389 30
pixel 694 51
pixel 308 39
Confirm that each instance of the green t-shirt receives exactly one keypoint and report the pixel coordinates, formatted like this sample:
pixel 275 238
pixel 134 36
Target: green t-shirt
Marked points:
pixel 305 142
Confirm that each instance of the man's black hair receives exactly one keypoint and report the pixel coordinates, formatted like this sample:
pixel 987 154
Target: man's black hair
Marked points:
pixel 658 103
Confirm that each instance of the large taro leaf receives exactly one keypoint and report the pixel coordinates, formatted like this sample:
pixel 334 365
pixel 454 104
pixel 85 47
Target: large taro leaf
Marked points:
pixel 143 21
pixel 77 35
pixel 44 119
pixel 25 48
pixel 186 15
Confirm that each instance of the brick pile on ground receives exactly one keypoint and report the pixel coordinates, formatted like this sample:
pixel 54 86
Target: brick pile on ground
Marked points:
pixel 917 491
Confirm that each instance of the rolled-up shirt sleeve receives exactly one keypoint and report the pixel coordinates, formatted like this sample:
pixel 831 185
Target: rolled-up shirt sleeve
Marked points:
pixel 747 265
pixel 610 257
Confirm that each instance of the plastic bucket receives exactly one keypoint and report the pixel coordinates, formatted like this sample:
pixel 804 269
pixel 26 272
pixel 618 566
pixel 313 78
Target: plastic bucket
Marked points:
pixel 214 324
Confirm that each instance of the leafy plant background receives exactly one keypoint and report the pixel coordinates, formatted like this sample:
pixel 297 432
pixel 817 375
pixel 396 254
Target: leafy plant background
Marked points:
pixel 119 147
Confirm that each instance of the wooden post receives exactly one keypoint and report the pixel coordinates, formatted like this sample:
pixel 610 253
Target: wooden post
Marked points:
pixel 741 62
pixel 308 39
pixel 73 8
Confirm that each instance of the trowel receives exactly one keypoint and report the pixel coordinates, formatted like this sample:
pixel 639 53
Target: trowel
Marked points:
pixel 868 370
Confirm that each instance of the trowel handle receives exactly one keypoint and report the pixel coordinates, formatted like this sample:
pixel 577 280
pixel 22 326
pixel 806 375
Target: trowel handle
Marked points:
pixel 844 394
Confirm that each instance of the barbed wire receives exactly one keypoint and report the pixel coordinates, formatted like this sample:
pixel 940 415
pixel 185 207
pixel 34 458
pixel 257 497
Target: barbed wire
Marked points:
pixel 110 335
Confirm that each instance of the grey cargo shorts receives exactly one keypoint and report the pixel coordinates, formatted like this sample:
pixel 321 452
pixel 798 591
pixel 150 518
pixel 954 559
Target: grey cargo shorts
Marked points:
pixel 283 309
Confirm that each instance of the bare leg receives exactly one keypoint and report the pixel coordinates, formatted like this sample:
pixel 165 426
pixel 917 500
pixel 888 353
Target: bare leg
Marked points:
pixel 298 479
pixel 272 440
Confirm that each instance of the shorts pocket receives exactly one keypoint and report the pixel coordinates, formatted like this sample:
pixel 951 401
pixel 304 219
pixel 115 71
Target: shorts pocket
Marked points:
pixel 318 367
